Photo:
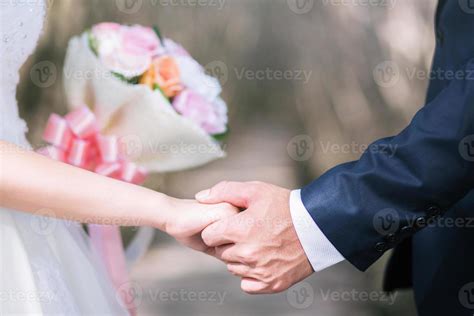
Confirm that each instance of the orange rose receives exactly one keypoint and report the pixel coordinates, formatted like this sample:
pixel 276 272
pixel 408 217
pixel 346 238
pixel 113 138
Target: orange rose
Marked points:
pixel 163 72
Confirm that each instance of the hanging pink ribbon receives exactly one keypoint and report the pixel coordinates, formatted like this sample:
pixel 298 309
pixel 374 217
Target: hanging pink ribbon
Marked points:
pixel 76 140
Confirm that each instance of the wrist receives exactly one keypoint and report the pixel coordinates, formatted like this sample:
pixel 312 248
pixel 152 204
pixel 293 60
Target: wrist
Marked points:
pixel 158 211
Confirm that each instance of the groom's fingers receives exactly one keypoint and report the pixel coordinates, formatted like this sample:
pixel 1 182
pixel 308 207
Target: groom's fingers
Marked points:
pixel 235 193
pixel 228 253
pixel 253 286
pixel 239 270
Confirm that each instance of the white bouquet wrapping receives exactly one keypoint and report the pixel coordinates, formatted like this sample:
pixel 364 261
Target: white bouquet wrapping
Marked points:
pixel 148 92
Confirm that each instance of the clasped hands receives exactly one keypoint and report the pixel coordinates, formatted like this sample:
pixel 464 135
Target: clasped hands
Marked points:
pixel 258 244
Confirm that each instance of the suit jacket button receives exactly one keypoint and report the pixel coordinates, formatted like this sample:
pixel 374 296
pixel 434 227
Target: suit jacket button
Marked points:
pixel 433 211
pixel 420 222
pixel 431 221
pixel 406 230
pixel 391 238
pixel 380 247
pixel 440 36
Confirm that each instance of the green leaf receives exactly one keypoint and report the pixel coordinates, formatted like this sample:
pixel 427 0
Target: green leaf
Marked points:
pixel 158 33
pixel 156 87
pixel 133 80
pixel 221 137
pixel 93 43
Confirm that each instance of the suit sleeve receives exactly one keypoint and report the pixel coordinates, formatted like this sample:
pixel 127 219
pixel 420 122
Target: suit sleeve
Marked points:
pixel 402 183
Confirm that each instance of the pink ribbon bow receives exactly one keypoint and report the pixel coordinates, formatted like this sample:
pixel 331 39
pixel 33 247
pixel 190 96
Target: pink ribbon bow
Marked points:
pixel 76 140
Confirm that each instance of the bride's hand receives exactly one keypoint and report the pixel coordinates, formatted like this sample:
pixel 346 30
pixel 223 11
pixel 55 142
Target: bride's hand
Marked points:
pixel 189 218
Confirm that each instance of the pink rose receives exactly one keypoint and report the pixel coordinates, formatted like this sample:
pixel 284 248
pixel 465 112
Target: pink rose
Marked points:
pixel 139 40
pixel 126 50
pixel 125 64
pixel 107 26
pixel 108 37
pixel 211 116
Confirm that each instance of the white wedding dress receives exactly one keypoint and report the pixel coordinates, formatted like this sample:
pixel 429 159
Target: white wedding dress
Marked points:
pixel 46 266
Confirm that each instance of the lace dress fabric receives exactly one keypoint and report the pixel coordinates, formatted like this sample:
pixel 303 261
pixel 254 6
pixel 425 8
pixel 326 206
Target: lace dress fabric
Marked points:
pixel 46 265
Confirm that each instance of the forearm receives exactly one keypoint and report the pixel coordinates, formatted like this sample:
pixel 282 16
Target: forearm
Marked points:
pixel 31 183
pixel 401 183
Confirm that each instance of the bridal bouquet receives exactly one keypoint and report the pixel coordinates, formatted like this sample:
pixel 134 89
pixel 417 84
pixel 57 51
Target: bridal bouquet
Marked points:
pixel 139 104
pixel 148 91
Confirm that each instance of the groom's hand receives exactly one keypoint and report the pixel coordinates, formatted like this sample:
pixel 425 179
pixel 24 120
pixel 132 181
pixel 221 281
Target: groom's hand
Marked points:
pixel 260 245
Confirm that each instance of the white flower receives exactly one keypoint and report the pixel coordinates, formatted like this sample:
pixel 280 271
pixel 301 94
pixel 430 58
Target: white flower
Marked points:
pixel 194 78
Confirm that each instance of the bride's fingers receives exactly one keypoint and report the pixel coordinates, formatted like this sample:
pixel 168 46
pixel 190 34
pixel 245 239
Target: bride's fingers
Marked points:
pixel 206 215
pixel 196 243
pixel 220 233
pixel 220 211
pixel 198 216
pixel 227 253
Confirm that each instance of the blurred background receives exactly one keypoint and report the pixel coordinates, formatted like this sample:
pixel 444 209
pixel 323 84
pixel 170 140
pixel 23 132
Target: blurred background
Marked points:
pixel 309 85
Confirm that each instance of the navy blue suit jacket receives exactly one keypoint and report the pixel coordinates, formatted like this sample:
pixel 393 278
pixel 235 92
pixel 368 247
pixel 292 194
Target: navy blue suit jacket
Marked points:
pixel 414 191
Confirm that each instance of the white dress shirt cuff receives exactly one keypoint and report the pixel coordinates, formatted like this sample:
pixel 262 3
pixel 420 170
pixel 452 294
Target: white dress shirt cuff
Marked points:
pixel 319 250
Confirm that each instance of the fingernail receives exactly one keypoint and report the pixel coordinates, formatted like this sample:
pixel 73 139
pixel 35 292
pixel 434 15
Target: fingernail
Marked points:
pixel 203 195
